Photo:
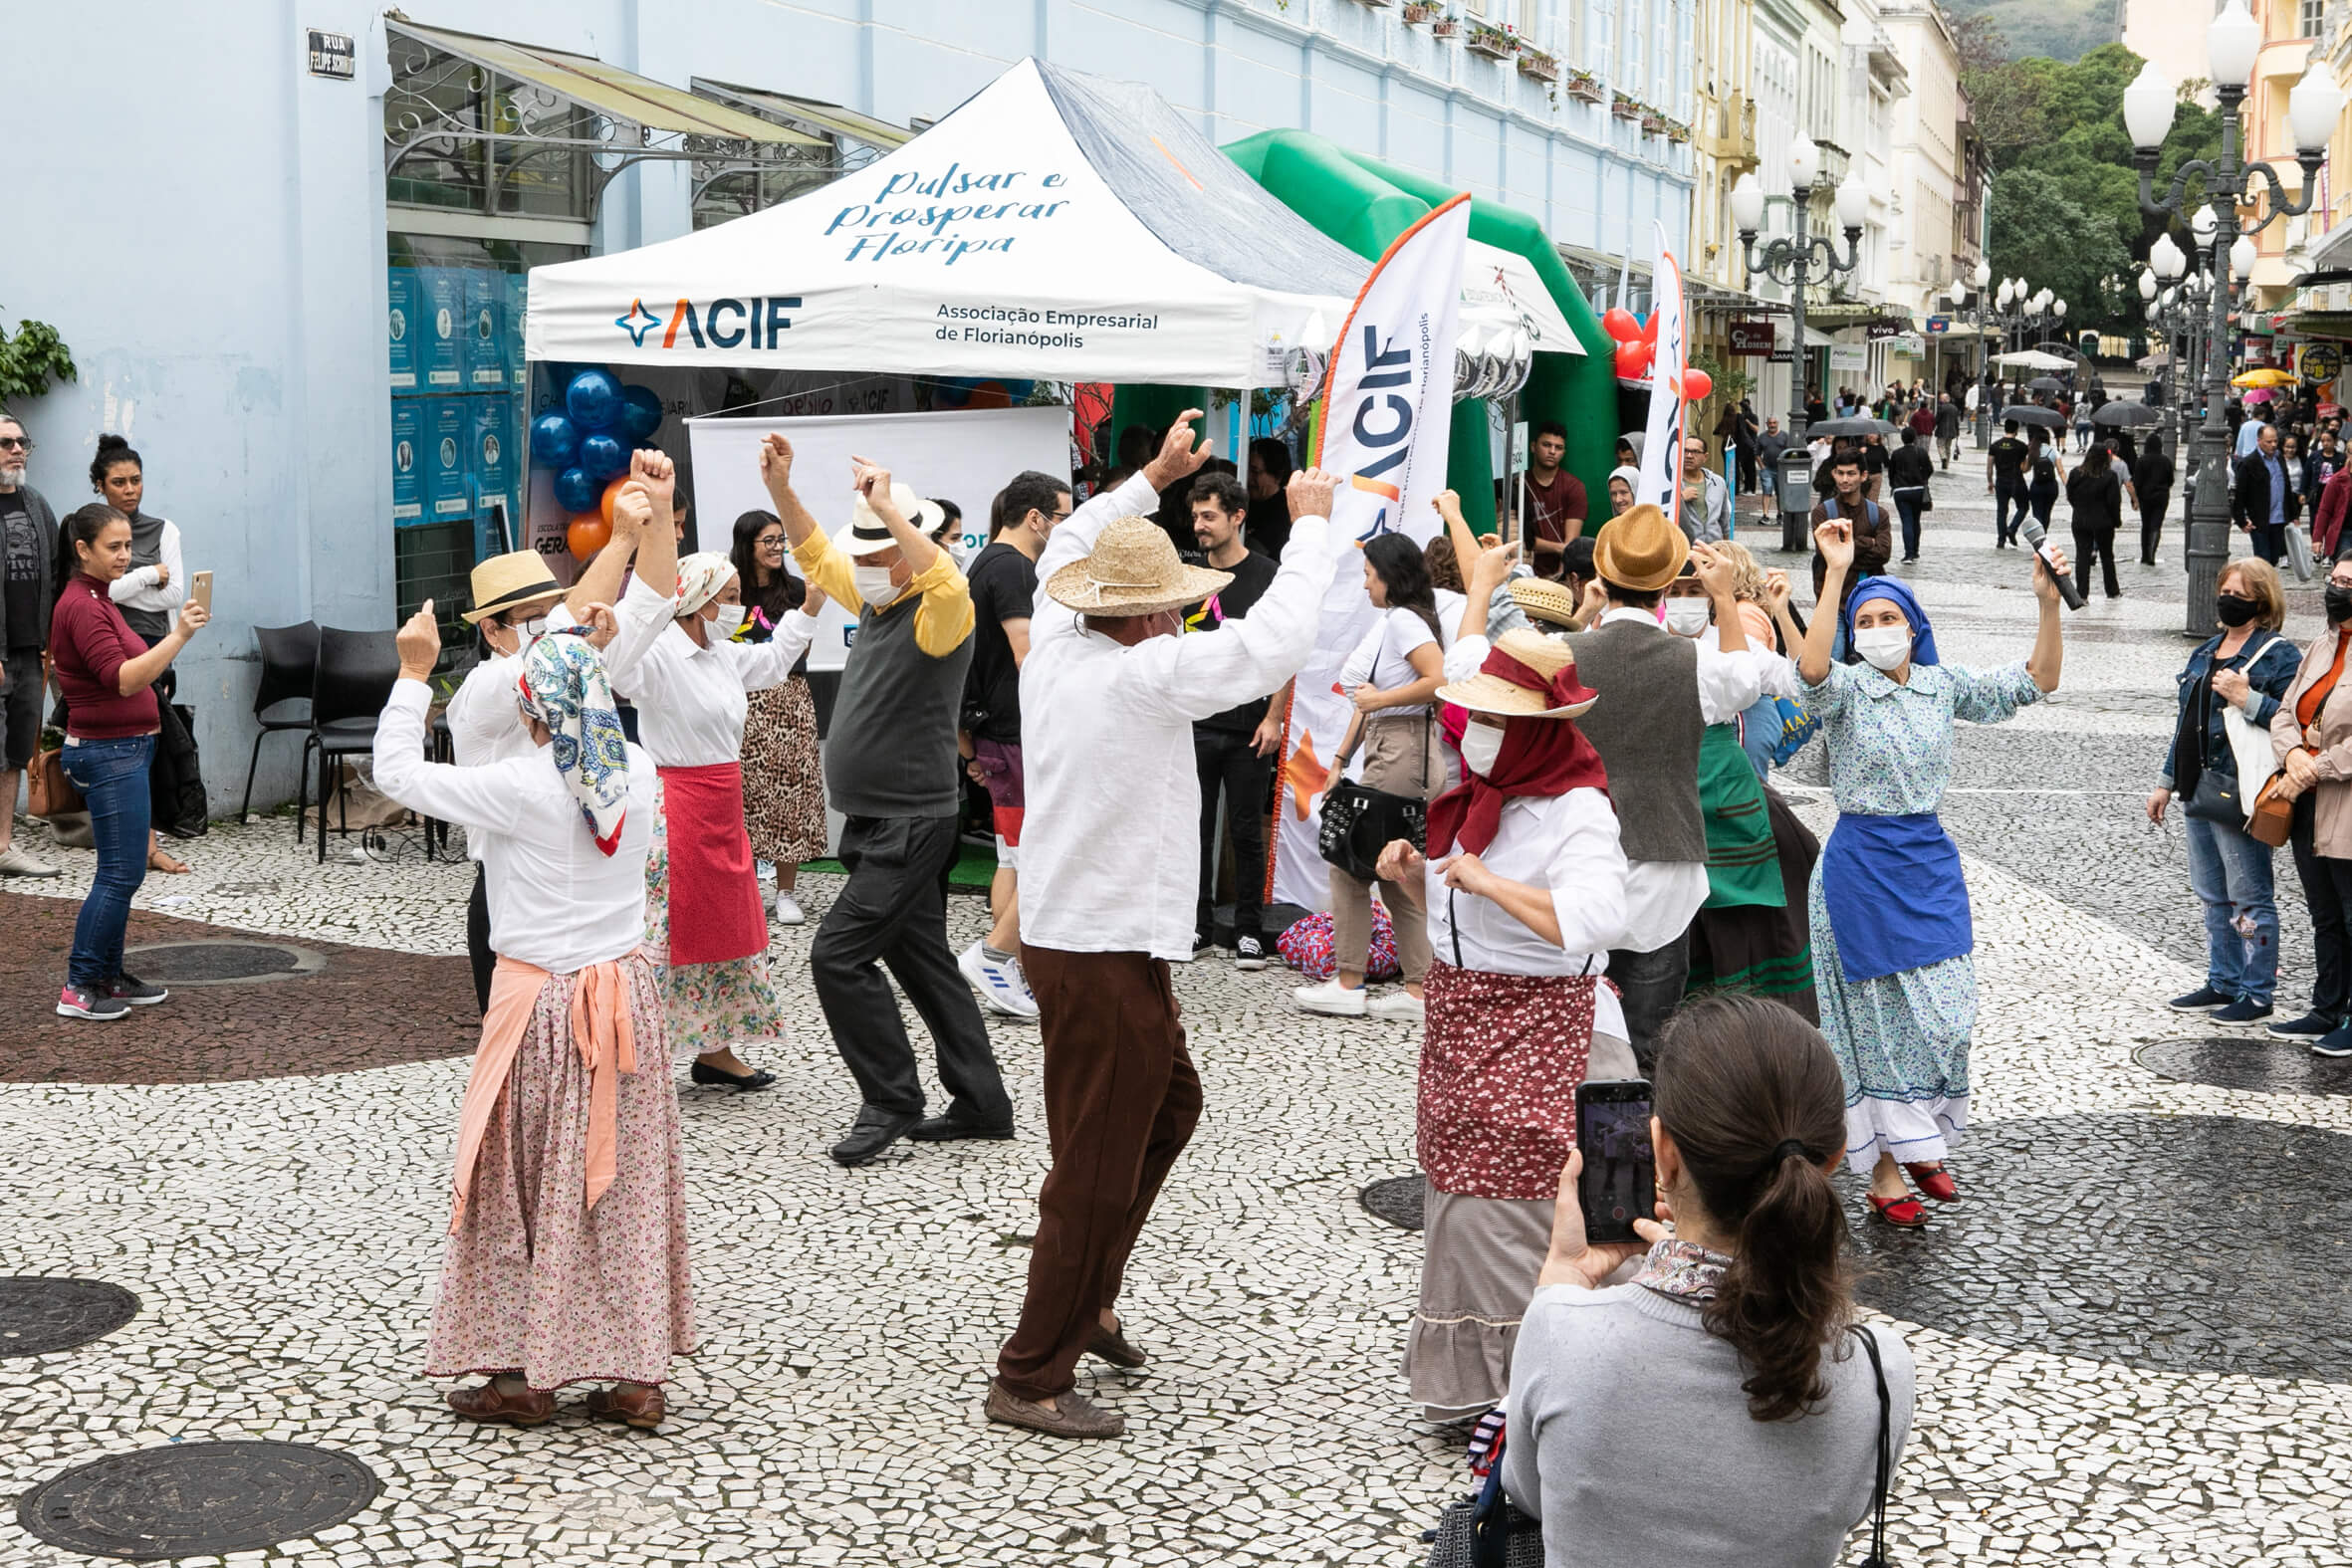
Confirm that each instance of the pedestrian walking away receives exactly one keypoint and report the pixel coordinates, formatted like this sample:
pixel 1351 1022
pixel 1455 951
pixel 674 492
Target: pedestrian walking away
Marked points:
pixel 2152 494
pixel 2005 464
pixel 1908 471
pixel 1109 697
pixel 1891 928
pixel 2094 492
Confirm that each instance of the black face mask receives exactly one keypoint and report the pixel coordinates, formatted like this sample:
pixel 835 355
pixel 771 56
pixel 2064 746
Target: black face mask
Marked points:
pixel 2338 603
pixel 2234 611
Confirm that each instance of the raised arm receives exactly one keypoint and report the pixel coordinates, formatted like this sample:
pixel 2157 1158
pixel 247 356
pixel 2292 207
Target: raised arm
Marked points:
pixel 764 664
pixel 1074 537
pixel 632 509
pixel 943 614
pixel 1835 539
pixel 474 797
pixel 657 540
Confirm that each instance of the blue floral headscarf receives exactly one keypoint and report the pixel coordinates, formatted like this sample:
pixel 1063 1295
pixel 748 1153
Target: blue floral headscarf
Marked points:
pixel 563 686
pixel 1898 593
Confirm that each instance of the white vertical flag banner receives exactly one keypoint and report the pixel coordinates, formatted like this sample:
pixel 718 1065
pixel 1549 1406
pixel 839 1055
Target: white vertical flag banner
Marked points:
pixel 1388 403
pixel 1661 448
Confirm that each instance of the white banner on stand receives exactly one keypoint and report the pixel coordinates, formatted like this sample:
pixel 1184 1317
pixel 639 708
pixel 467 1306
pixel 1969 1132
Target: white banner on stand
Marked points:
pixel 1388 401
pixel 1661 452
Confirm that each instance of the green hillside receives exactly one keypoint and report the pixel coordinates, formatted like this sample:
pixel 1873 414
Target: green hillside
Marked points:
pixel 2061 29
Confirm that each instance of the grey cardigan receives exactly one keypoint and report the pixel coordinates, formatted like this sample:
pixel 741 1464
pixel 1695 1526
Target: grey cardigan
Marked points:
pixel 44 531
pixel 1630 1440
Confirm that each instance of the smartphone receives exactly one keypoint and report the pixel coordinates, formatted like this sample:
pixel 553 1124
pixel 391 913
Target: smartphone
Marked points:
pixel 201 590
pixel 1620 1180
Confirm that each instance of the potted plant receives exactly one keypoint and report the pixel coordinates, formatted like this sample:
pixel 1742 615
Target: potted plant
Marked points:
pixel 1496 43
pixel 1417 13
pixel 1623 106
pixel 1534 61
pixel 1584 85
pixel 1652 122
pixel 1445 24
pixel 1676 131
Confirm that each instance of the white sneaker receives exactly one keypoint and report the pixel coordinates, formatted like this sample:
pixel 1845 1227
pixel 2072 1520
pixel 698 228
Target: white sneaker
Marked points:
pixel 1398 1004
pixel 1001 985
pixel 16 863
pixel 1330 999
pixel 787 911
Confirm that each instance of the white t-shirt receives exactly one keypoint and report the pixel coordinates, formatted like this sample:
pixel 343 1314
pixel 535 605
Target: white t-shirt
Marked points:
pixel 1385 658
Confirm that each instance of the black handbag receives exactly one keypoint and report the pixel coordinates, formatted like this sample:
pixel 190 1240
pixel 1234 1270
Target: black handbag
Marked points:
pixel 1359 821
pixel 2213 795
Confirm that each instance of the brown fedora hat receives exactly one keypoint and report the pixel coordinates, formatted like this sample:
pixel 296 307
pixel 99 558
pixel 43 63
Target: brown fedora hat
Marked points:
pixel 1641 548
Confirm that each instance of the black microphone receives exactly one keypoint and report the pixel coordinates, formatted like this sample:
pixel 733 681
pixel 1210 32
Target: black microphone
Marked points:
pixel 2036 539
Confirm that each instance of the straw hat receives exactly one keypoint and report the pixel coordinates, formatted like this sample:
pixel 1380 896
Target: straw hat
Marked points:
pixel 1134 570
pixel 1507 697
pixel 504 582
pixel 1544 601
pixel 1641 550
pixel 868 535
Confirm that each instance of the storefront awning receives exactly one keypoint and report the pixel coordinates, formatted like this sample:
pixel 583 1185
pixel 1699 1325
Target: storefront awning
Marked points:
pixel 607 90
pixel 830 118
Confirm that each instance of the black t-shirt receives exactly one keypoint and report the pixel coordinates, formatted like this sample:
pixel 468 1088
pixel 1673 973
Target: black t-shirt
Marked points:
pixel 2009 456
pixel 1004 584
pixel 27 617
pixel 1251 574
pixel 1265 528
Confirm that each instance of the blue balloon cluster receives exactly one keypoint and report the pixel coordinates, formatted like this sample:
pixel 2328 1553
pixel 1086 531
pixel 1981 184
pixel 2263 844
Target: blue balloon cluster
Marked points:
pixel 588 442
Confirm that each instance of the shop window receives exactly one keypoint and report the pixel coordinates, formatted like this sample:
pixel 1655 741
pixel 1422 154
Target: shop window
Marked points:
pixel 504 148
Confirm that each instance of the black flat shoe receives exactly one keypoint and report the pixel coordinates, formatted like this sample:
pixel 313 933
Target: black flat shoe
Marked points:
pixel 757 1078
pixel 874 1132
pixel 946 1129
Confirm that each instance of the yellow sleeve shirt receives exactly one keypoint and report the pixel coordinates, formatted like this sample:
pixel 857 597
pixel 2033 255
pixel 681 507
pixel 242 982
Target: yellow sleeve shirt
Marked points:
pixel 942 620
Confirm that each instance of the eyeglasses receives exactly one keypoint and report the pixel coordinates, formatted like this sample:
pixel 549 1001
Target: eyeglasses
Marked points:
pixel 768 541
pixel 16 443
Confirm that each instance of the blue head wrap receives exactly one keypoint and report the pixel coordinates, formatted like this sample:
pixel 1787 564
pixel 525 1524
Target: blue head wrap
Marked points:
pixel 1897 593
pixel 563 686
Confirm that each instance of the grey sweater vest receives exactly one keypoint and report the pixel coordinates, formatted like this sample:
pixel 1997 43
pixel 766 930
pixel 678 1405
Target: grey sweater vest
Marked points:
pixel 1647 727
pixel 892 748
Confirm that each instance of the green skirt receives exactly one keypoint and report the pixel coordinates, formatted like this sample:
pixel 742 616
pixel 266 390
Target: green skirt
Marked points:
pixel 1764 950
pixel 1743 867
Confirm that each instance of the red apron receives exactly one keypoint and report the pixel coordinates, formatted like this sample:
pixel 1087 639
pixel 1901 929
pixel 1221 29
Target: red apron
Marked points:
pixel 714 894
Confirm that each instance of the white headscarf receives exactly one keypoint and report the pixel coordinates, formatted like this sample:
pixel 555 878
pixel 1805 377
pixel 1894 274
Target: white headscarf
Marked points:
pixel 701 576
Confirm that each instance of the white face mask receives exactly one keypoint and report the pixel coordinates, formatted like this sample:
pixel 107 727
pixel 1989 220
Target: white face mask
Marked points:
pixel 1482 743
pixel 726 620
pixel 874 584
pixel 1686 617
pixel 1887 648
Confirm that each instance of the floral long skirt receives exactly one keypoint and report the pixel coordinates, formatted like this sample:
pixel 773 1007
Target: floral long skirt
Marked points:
pixel 709 1006
pixel 535 1282
pixel 783 781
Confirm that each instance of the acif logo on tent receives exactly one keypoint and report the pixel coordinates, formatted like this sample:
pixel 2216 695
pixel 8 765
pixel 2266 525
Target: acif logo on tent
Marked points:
pixel 748 323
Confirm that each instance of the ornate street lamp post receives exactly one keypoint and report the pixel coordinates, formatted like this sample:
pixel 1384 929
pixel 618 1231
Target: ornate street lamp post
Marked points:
pixel 1790 261
pixel 2149 104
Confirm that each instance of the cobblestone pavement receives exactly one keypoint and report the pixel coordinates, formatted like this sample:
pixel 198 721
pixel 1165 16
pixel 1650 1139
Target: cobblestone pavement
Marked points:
pixel 2132 1345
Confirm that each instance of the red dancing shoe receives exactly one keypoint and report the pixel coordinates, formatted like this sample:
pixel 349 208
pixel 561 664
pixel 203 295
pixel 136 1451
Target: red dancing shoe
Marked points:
pixel 1934 1181
pixel 1904 1214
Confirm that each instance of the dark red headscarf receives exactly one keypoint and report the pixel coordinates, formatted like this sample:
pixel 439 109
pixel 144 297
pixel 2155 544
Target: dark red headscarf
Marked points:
pixel 1540 757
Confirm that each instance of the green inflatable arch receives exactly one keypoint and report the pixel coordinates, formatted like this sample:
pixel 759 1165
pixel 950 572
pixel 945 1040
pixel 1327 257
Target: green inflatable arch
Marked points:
pixel 1364 204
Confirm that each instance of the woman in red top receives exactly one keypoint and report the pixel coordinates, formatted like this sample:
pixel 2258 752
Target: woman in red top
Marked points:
pixel 105 671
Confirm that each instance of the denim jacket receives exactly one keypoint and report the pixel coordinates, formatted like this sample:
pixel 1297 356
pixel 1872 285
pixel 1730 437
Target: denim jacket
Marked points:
pixel 2268 661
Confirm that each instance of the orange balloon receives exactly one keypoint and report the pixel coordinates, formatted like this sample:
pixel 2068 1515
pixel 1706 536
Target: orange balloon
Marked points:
pixel 612 494
pixel 586 534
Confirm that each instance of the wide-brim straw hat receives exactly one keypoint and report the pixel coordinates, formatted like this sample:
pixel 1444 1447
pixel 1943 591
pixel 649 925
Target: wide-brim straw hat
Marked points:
pixel 1641 548
pixel 1548 657
pixel 1134 570
pixel 504 582
pixel 868 535
pixel 1544 601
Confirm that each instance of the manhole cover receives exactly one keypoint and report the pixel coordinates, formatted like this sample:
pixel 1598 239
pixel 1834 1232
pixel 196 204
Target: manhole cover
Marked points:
pixel 1396 1199
pixel 2177 1243
pixel 220 962
pixel 192 1499
pixel 2267 1066
pixel 41 1314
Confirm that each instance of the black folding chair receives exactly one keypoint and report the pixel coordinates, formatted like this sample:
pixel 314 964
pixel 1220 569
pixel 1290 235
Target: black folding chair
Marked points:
pixel 289 664
pixel 354 681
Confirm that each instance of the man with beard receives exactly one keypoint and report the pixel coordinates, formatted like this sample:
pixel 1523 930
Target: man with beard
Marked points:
pixel 27 526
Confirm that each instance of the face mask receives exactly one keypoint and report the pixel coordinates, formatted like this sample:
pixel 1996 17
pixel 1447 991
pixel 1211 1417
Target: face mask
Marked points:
pixel 874 584
pixel 2338 603
pixel 726 621
pixel 1686 617
pixel 1481 745
pixel 1887 648
pixel 2234 611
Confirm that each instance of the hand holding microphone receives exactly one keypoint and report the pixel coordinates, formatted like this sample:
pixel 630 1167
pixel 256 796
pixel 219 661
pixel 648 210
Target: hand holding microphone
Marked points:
pixel 2038 539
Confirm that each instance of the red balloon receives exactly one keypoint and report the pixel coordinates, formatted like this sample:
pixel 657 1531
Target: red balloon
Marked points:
pixel 1649 329
pixel 1619 324
pixel 586 533
pixel 1696 386
pixel 1633 360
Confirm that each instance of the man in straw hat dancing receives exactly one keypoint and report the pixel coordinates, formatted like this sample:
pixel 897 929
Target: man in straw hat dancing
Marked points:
pixel 1109 871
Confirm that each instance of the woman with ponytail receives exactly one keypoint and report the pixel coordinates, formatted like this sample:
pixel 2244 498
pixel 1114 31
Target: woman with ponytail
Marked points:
pixel 1727 1367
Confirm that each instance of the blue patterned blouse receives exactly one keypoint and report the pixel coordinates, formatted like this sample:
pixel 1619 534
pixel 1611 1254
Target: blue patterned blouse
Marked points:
pixel 1890 746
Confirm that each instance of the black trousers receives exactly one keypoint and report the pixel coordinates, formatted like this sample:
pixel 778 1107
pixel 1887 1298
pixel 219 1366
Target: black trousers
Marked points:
pixel 1746 456
pixel 2153 507
pixel 2099 542
pixel 1652 986
pixel 477 938
pixel 893 911
pixel 2327 893
pixel 1227 760
pixel 2009 500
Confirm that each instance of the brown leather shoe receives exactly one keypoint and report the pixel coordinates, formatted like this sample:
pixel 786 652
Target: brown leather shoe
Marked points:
pixel 638 1404
pixel 1111 1344
pixel 486 1401
pixel 1072 1415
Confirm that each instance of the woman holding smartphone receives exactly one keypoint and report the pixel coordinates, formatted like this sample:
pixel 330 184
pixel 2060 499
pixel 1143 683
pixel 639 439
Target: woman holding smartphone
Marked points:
pixel 108 675
pixel 1524 885
pixel 149 593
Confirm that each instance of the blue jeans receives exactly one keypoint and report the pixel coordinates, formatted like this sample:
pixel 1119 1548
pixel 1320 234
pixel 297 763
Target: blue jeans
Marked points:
pixel 2007 497
pixel 2230 874
pixel 112 779
pixel 1907 508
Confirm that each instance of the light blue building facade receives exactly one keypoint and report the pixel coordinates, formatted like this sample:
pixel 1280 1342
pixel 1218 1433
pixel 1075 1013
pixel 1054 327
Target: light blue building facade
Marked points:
pixel 201 204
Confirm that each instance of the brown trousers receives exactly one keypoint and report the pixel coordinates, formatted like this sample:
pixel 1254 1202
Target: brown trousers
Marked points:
pixel 1121 1102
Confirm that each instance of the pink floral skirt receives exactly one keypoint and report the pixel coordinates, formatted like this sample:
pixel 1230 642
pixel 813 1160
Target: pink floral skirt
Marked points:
pixel 533 1281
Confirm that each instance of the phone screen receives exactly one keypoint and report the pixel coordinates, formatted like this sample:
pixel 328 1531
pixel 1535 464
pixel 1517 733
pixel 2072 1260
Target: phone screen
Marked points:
pixel 201 585
pixel 1619 1183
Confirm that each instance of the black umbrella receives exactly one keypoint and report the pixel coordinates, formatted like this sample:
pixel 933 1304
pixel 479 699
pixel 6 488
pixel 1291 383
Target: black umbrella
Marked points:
pixel 2121 413
pixel 2045 383
pixel 2034 414
pixel 1860 425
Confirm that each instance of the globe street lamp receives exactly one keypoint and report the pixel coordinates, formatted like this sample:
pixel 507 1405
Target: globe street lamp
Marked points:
pixel 2149 104
pixel 1789 261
